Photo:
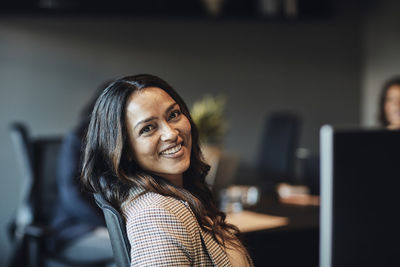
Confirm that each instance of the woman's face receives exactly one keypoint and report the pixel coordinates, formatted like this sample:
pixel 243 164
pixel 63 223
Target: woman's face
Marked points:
pixel 160 135
pixel 392 106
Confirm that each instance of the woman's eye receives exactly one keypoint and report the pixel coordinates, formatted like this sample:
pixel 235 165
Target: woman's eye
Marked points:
pixel 146 129
pixel 174 114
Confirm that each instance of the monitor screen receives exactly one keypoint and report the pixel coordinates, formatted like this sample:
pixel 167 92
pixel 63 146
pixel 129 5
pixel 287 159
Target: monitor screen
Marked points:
pixel 360 197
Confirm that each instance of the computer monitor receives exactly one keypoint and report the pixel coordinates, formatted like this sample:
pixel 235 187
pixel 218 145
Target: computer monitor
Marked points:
pixel 360 197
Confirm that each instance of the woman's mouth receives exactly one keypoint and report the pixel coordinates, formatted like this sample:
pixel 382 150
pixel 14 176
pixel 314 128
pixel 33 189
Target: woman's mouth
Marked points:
pixel 172 151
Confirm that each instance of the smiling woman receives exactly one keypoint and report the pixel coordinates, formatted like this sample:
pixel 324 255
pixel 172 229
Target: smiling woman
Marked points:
pixel 144 146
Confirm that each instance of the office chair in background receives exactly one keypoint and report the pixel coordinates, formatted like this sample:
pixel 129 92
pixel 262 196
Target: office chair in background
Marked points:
pixel 277 156
pixel 30 230
pixel 117 230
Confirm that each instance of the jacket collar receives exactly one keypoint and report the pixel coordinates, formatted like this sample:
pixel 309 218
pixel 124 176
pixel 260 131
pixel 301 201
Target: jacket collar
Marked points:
pixel 215 251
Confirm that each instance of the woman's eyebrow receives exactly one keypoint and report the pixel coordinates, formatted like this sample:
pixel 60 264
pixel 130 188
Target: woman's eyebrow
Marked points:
pixel 145 120
pixel 170 107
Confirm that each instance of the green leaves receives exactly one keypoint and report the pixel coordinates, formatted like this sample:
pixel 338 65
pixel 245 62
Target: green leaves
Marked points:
pixel 208 115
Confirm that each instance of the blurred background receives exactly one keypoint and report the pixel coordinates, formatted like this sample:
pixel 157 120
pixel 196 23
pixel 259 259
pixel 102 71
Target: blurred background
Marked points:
pixel 322 60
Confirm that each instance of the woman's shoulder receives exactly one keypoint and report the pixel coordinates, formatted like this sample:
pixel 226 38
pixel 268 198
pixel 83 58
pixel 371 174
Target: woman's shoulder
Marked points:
pixel 153 203
pixel 154 211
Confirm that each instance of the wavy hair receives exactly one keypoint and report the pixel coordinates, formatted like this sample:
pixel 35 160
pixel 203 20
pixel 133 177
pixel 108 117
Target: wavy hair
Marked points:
pixel 108 170
pixel 382 114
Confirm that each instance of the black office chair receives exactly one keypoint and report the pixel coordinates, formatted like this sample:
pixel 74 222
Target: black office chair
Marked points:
pixel 30 230
pixel 117 230
pixel 280 140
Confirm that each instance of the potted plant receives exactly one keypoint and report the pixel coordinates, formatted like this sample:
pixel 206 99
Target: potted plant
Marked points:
pixel 208 115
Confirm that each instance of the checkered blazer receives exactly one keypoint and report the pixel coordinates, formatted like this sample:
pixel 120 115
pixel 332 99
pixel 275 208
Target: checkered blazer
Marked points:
pixel 163 231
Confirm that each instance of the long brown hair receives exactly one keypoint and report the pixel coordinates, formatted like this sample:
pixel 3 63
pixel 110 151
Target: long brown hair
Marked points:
pixel 108 170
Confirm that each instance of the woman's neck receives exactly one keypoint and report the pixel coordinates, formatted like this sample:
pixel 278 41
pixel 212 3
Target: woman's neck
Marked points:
pixel 175 179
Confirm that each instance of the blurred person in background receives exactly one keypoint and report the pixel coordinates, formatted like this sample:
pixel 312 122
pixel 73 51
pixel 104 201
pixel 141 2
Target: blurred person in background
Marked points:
pixel 80 229
pixel 389 105
pixel 143 156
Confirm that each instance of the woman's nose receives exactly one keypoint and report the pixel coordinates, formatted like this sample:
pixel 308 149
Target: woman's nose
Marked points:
pixel 169 133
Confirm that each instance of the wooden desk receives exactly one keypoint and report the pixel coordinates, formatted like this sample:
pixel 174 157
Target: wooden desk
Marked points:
pixel 250 221
pixel 294 244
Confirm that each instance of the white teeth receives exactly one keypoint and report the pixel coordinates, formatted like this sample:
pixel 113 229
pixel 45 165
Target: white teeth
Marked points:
pixel 172 150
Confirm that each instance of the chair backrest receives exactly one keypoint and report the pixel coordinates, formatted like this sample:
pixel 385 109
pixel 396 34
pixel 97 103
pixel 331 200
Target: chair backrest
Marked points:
pixel 23 150
pixel 116 228
pixel 226 172
pixel 279 144
pixel 45 153
pixel 37 159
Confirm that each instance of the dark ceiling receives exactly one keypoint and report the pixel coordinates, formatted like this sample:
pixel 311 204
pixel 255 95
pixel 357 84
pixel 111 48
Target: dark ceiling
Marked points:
pixel 259 9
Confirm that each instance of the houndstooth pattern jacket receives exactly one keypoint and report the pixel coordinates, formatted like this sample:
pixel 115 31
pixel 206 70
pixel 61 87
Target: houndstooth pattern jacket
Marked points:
pixel 163 231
